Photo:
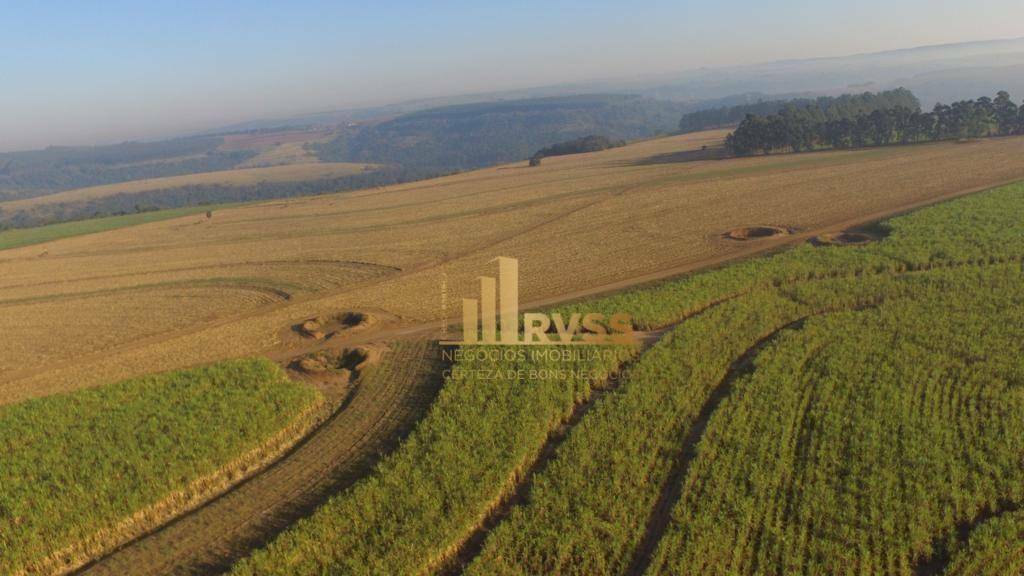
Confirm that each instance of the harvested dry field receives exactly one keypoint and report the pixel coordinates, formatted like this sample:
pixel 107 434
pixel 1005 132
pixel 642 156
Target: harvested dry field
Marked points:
pixel 277 148
pixel 181 292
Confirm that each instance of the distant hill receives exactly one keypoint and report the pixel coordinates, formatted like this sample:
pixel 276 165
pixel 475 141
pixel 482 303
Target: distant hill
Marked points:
pixel 943 73
pixel 474 135
pixel 39 172
pixel 426 137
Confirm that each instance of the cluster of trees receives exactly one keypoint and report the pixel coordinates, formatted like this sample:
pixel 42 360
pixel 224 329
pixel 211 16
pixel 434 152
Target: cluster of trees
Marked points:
pixel 39 172
pixel 829 107
pixel 577 146
pixel 796 129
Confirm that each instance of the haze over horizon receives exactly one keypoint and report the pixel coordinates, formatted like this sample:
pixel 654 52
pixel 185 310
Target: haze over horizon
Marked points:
pixel 77 74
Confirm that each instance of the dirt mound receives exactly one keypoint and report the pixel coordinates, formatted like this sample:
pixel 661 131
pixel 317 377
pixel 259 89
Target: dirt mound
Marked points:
pixel 311 329
pixel 348 362
pixel 756 232
pixel 323 327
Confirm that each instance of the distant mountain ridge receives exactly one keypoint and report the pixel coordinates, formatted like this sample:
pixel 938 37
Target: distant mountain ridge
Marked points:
pixel 916 68
pixel 467 136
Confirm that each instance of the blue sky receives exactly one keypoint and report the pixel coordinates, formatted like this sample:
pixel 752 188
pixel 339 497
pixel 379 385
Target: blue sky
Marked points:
pixel 90 71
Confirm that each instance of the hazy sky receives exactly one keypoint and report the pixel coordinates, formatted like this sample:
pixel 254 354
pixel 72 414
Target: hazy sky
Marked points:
pixel 99 71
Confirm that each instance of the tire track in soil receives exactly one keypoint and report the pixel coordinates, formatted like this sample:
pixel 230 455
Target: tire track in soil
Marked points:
pixel 472 545
pixel 209 539
pixel 672 490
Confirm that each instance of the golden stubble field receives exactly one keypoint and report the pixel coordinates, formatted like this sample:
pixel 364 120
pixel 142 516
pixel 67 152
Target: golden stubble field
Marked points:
pixel 181 292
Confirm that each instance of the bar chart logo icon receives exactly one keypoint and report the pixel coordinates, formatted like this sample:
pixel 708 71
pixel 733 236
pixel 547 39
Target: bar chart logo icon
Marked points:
pixel 494 318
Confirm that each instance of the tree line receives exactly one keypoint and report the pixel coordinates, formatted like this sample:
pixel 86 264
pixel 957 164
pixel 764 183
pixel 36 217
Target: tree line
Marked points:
pixel 831 107
pixel 577 146
pixel 796 129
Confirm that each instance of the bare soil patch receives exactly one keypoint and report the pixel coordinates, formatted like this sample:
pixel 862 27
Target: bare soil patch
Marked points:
pixel 844 239
pixel 446 230
pixel 335 371
pixel 348 362
pixel 854 236
pixel 326 327
pixel 756 232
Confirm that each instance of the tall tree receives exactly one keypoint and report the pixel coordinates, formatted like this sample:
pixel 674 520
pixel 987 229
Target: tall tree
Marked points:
pixel 1007 113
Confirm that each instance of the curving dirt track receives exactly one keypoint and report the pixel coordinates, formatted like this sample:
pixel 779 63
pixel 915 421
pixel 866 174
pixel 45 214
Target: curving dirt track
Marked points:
pixel 382 409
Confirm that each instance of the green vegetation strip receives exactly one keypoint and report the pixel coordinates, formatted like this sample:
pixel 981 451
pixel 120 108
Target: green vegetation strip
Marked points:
pixel 862 436
pixel 587 510
pixel 18 237
pixel 484 430
pixel 77 466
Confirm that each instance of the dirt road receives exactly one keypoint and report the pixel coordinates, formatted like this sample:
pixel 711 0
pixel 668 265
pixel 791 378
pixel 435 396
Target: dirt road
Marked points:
pixel 383 408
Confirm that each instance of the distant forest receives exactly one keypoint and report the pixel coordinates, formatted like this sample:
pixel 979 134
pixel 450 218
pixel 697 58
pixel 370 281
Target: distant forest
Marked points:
pixel 796 129
pixel 40 172
pixel 475 135
pixel 202 194
pixel 845 106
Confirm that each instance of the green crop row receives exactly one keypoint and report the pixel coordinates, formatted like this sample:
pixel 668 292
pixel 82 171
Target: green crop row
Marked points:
pixel 588 509
pixel 18 237
pixel 488 424
pixel 862 437
pixel 77 465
